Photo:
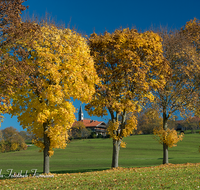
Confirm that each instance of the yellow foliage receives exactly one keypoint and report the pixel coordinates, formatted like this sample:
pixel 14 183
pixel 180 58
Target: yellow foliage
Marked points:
pixel 140 132
pixel 24 146
pixel 123 144
pixel 113 130
pixel 117 132
pixel 131 124
pixel 63 68
pixel 5 106
pixel 169 136
pixel 14 146
pixel 51 152
pixel 128 64
pixel 38 144
pixel 3 148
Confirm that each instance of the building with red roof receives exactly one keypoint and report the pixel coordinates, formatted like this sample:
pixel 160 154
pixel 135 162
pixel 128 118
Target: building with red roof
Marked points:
pixel 99 127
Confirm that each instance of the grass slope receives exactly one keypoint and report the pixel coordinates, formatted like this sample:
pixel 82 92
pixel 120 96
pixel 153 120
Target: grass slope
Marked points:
pixel 96 154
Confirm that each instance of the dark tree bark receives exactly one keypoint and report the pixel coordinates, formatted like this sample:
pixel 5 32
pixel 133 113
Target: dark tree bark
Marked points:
pixel 165 147
pixel 46 150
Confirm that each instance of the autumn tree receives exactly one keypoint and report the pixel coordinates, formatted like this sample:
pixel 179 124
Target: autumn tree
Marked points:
pixel 13 64
pixel 148 119
pixel 79 130
pixel 191 31
pixel 2 142
pixel 25 135
pixel 63 68
pixel 128 64
pixel 9 132
pixel 179 91
pixel 11 140
pixel 85 133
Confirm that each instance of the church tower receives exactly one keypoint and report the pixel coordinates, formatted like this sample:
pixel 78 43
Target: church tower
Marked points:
pixel 80 114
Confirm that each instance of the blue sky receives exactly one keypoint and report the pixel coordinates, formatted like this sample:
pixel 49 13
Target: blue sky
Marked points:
pixel 107 15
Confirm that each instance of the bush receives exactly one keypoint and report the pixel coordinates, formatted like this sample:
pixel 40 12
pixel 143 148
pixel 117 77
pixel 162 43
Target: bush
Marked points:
pixel 99 136
pixel 93 135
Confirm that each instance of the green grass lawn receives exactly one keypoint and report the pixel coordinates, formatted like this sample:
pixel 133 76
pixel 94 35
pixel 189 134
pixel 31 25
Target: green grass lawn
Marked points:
pixel 176 177
pixel 96 154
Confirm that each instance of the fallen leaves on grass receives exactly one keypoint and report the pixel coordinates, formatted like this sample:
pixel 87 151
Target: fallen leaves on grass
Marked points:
pixel 172 176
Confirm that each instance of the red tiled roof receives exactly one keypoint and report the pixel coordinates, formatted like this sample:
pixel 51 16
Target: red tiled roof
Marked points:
pixel 90 123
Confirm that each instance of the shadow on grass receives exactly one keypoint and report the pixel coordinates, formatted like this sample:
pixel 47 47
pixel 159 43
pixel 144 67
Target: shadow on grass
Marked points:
pixel 162 158
pixel 79 170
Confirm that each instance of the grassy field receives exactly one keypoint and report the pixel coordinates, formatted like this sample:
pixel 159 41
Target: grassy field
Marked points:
pixel 185 176
pixel 95 154
pixel 140 166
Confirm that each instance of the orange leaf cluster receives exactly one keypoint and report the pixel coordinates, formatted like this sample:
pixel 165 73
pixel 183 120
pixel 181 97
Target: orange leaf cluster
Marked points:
pixel 168 136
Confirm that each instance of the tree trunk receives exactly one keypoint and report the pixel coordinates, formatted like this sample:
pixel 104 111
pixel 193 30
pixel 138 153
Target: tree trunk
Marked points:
pixel 165 154
pixel 115 157
pixel 46 150
pixel 165 147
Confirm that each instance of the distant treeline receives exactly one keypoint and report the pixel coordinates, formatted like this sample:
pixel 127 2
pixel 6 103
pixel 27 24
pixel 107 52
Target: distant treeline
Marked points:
pixel 150 119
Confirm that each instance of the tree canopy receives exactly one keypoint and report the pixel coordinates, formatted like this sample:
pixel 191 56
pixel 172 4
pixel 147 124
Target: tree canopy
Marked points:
pixel 63 68
pixel 13 57
pixel 180 90
pixel 129 64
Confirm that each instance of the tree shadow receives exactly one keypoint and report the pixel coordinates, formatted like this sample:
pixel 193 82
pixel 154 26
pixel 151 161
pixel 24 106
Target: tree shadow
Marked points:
pixel 79 170
pixel 162 158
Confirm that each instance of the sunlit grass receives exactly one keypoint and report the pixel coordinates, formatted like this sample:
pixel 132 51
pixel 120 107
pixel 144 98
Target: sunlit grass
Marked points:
pixel 185 176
